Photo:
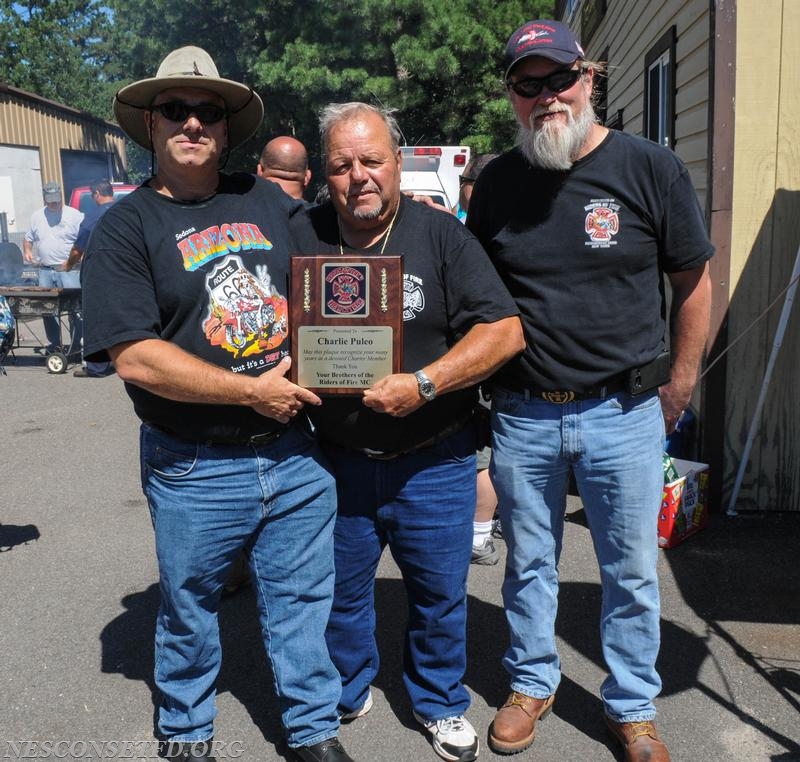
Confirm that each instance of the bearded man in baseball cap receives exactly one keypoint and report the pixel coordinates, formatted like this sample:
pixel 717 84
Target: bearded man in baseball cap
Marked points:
pixel 584 221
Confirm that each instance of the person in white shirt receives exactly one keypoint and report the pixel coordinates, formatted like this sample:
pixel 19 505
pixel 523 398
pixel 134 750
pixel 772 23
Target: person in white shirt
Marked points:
pixel 48 242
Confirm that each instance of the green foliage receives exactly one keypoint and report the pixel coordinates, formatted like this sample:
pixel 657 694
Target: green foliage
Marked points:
pixel 436 63
pixel 48 47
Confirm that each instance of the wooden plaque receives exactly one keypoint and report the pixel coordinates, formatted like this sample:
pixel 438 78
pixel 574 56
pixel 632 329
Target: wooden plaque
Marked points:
pixel 346 318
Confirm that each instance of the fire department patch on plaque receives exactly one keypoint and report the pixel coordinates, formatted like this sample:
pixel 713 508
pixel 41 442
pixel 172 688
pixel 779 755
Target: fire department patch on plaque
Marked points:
pixel 346 290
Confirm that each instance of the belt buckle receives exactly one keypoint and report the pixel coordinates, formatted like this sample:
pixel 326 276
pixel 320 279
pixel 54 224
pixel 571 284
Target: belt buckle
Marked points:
pixel 558 398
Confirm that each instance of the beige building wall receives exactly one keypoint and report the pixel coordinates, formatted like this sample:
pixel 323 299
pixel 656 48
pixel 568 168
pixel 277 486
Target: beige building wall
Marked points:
pixel 28 121
pixel 35 121
pixel 753 125
pixel 764 240
pixel 628 31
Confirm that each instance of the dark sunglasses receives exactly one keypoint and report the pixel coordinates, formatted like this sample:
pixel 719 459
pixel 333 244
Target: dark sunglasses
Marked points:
pixel 556 82
pixel 178 111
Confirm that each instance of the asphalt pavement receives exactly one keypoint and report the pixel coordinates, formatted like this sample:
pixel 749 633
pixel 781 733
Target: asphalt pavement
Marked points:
pixel 78 590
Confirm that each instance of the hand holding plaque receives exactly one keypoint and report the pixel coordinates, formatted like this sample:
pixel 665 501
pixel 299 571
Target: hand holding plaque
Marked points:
pixel 346 318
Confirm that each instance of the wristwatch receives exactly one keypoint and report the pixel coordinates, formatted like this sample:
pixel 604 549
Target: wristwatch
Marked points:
pixel 426 387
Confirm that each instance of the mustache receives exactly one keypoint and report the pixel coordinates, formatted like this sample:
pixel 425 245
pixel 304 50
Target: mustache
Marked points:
pixel 555 108
pixel 369 187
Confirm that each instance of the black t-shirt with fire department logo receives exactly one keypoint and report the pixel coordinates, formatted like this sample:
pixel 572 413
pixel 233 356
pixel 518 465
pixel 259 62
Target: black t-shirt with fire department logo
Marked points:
pixel 583 251
pixel 210 277
pixel 449 285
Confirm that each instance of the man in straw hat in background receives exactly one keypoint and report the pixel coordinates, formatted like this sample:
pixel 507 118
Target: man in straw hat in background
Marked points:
pixel 581 222
pixel 181 290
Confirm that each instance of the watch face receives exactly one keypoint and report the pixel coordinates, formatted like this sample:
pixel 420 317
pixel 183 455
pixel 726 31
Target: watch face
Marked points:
pixel 426 387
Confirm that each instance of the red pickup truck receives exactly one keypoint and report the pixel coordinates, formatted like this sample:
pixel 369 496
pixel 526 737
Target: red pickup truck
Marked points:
pixel 81 197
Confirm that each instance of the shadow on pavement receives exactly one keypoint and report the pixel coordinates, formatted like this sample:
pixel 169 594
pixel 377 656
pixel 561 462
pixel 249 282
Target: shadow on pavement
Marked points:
pixel 734 572
pixel 737 571
pixel 127 649
pixel 12 535
pixel 745 570
pixel 487 640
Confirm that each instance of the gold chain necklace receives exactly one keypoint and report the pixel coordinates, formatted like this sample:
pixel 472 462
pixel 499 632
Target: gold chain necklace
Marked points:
pixel 385 235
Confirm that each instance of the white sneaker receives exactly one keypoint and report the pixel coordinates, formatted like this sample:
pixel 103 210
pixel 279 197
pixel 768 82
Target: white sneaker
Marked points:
pixel 485 554
pixel 360 712
pixel 453 738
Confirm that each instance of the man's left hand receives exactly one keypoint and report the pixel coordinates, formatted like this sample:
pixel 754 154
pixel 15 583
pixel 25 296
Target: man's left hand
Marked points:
pixel 396 395
pixel 674 400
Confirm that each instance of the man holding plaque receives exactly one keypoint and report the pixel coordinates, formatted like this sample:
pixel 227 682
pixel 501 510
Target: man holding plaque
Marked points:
pixel 403 450
pixel 184 290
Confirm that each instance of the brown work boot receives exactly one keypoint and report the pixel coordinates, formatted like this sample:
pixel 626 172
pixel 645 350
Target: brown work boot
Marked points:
pixel 514 725
pixel 640 741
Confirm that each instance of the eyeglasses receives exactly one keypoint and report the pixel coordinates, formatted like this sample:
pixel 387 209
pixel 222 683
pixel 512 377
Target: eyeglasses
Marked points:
pixel 465 180
pixel 178 111
pixel 556 82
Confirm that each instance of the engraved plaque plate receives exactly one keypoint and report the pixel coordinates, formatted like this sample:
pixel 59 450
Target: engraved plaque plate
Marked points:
pixel 346 317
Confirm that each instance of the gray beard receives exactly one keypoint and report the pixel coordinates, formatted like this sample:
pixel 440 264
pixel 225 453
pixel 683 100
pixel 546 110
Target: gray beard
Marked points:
pixel 555 146
pixel 370 214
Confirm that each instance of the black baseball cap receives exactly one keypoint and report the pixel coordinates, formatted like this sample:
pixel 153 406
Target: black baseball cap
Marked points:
pixel 545 38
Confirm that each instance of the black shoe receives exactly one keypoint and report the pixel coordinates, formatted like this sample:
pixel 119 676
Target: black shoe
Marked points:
pixel 198 751
pixel 327 751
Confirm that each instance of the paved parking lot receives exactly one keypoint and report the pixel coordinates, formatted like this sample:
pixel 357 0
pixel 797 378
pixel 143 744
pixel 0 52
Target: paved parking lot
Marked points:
pixel 78 587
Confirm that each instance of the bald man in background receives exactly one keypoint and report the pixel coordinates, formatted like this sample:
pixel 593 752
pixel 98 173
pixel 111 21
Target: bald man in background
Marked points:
pixel 284 161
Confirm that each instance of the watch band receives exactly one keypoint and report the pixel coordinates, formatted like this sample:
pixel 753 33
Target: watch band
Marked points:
pixel 426 387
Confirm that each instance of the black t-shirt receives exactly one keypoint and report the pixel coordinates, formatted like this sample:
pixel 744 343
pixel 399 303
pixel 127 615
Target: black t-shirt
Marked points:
pixel 210 277
pixel 449 285
pixel 583 252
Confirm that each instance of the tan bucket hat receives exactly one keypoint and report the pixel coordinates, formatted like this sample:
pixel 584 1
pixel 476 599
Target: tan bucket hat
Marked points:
pixel 189 66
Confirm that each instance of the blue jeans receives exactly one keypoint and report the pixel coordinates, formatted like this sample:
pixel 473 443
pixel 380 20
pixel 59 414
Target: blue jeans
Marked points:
pixel 52 328
pixel 614 446
pixel 422 506
pixel 206 503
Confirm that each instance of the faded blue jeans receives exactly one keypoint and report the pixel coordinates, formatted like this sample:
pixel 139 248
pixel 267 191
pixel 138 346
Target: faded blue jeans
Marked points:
pixel 206 503
pixel 50 278
pixel 421 506
pixel 614 446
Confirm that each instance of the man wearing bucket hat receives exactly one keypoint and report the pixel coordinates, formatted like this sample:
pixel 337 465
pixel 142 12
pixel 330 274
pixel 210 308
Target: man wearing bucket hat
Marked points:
pixel 581 222
pixel 183 290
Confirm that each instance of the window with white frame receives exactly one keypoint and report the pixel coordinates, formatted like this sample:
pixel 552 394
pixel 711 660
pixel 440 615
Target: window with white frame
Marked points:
pixel 565 9
pixel 659 91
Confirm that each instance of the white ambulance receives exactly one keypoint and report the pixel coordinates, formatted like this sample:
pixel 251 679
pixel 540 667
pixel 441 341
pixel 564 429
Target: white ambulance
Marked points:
pixel 434 171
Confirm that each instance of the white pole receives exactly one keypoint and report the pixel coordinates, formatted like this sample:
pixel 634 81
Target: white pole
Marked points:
pixel 776 345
